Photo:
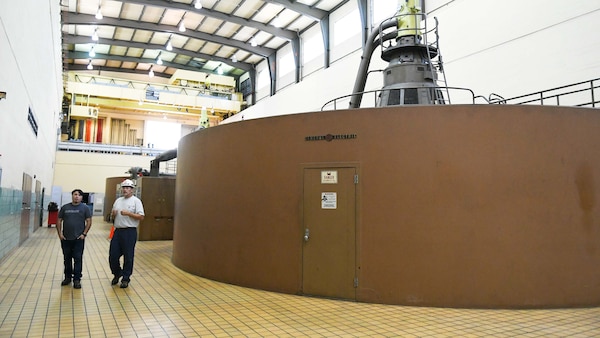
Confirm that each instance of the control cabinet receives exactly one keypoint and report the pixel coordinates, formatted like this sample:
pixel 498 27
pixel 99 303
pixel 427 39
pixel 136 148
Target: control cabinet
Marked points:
pixel 158 196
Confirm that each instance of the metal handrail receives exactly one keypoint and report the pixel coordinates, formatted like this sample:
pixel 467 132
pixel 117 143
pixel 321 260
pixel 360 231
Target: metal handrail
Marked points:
pixel 377 93
pixel 108 148
pixel 564 91
pixel 542 97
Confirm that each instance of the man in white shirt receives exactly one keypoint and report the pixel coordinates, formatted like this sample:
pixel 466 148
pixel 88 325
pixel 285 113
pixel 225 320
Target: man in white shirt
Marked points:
pixel 127 212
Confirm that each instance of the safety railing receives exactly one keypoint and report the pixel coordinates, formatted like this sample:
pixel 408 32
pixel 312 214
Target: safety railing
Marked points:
pixel 580 94
pixel 108 148
pixel 438 95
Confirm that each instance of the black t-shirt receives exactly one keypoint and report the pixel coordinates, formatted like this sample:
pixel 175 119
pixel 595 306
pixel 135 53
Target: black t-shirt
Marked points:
pixel 74 217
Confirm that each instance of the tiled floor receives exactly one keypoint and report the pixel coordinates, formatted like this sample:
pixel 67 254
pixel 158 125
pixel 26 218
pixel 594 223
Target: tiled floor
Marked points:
pixel 163 301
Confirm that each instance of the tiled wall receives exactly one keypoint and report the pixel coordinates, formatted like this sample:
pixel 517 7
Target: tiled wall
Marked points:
pixel 10 219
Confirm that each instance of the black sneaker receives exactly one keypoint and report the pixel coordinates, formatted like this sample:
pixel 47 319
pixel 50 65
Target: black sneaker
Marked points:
pixel 77 284
pixel 66 281
pixel 124 284
pixel 115 280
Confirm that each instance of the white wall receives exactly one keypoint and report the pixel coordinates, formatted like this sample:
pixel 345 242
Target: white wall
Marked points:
pixel 506 47
pixel 516 47
pixel 30 55
pixel 89 171
pixel 31 76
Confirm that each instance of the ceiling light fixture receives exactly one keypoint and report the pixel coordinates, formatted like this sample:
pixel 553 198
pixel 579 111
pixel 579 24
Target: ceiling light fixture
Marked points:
pixel 151 72
pixel 233 59
pixel 159 61
pixel 95 35
pixel 92 53
pixel 90 66
pixel 197 4
pixel 220 69
pixel 169 46
pixel 181 26
pixel 253 42
pixel 99 15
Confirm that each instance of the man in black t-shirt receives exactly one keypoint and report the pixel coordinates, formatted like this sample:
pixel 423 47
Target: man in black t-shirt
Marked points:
pixel 74 222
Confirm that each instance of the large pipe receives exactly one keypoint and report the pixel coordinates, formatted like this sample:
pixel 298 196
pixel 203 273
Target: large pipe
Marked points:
pixel 166 156
pixel 361 78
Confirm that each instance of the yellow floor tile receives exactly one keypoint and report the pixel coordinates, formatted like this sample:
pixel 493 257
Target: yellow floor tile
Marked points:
pixel 163 301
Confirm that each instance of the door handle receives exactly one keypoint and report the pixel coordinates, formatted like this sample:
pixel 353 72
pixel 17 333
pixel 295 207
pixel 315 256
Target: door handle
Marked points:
pixel 306 235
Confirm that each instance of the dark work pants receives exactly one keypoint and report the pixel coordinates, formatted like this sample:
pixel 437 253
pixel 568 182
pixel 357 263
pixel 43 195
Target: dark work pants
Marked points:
pixel 122 244
pixel 73 255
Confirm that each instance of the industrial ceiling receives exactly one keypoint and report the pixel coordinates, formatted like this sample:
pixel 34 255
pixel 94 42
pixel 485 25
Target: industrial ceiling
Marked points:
pixel 132 35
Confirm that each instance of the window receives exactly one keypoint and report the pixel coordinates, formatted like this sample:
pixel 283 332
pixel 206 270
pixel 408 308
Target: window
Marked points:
pixel 312 48
pixel 383 9
pixel 263 79
pixel 162 135
pixel 246 87
pixel 346 27
pixel 286 64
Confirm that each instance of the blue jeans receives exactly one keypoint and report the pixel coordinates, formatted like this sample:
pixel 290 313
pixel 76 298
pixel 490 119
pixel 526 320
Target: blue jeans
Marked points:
pixel 122 244
pixel 73 255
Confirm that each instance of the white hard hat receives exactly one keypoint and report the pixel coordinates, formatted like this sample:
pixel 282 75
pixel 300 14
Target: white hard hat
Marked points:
pixel 127 183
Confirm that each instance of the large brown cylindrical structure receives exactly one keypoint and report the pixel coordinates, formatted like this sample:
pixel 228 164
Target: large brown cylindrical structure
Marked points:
pixel 487 206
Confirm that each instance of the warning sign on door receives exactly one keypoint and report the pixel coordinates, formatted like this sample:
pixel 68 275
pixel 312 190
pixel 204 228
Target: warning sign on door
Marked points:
pixel 329 177
pixel 328 200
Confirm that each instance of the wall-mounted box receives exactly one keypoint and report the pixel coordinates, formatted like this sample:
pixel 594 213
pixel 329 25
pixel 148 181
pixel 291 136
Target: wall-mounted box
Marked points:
pixel 85 112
